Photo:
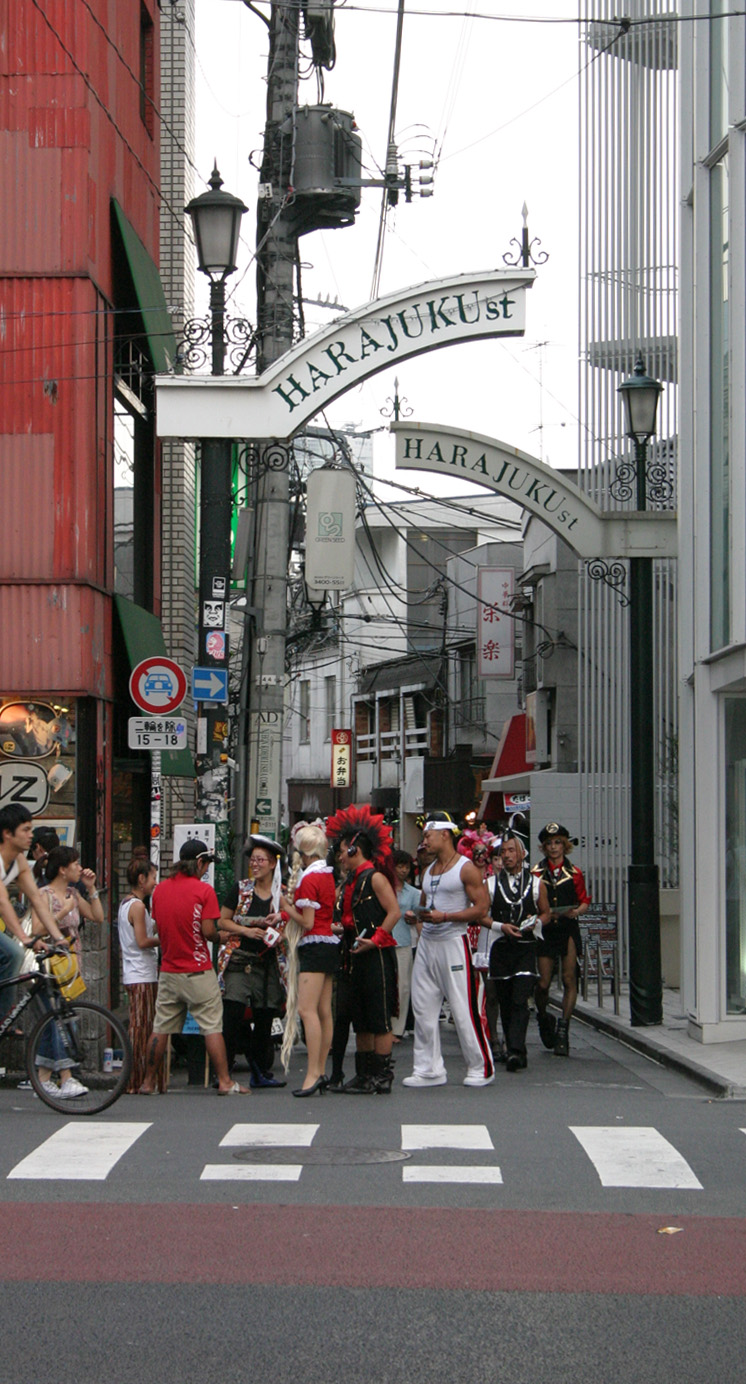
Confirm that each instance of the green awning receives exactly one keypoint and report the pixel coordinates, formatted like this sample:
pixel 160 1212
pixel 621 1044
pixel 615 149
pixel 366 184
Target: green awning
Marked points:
pixel 150 296
pixel 143 638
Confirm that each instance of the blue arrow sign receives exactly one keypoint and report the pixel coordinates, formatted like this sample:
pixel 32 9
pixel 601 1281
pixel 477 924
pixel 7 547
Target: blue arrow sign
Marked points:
pixel 210 685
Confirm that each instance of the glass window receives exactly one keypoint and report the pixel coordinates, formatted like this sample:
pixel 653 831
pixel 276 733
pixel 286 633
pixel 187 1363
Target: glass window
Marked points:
pixel 719 93
pixel 305 711
pixel 330 692
pixel 720 537
pixel 735 855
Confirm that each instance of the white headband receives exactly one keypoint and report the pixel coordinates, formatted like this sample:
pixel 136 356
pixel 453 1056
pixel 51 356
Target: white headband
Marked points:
pixel 440 824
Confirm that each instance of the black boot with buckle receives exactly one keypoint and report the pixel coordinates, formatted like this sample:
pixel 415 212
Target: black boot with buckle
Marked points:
pixel 383 1074
pixel 361 1083
pixel 562 1041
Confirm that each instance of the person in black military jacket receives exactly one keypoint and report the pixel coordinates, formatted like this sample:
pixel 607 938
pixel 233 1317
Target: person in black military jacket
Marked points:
pixel 568 901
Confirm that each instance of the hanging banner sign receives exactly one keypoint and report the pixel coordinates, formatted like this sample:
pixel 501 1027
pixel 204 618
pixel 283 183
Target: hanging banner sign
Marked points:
pixel 330 529
pixel 307 378
pixel 495 630
pixel 341 759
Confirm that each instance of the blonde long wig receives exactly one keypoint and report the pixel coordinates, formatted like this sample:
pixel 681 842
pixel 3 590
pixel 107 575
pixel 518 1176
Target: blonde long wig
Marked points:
pixel 311 841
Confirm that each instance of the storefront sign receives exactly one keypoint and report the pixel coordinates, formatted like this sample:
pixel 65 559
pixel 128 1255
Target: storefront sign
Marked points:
pixel 495 624
pixel 24 784
pixel 341 759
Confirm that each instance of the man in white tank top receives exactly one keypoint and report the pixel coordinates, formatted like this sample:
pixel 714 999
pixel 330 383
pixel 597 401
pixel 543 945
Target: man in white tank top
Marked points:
pixel 454 895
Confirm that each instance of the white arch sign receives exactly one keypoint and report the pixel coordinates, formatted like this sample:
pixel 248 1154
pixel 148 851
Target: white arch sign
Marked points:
pixel 464 307
pixel 547 494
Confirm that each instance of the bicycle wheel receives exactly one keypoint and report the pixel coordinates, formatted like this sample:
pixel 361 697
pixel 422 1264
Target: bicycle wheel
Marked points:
pixel 74 1039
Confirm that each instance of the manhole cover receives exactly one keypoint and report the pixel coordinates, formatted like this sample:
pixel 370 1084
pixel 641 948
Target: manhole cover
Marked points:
pixel 304 1155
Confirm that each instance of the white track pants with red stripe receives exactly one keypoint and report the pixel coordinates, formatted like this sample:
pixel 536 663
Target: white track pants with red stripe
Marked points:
pixel 443 970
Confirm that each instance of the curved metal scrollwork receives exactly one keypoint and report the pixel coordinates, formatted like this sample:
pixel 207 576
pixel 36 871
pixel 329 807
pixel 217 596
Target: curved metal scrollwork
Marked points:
pixel 525 254
pixel 660 485
pixel 274 457
pixel 194 350
pixel 623 486
pixel 612 574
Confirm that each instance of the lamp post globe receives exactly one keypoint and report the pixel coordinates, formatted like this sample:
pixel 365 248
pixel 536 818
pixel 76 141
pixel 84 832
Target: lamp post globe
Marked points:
pixel 640 395
pixel 216 221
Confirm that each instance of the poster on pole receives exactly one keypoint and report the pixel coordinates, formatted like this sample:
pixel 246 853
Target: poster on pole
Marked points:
pixel 330 529
pixel 495 625
pixel 265 750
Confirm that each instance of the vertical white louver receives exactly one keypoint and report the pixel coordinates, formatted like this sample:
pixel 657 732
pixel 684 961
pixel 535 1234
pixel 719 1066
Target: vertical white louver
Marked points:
pixel 628 261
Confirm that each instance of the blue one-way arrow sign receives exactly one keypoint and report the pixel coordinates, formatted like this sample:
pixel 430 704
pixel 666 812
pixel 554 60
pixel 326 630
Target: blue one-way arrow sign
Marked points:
pixel 210 685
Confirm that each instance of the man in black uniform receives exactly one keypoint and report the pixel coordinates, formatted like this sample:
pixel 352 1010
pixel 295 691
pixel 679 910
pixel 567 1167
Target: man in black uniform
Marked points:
pixel 568 901
pixel 519 910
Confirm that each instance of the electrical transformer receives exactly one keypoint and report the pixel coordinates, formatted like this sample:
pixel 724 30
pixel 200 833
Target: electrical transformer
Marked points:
pixel 326 169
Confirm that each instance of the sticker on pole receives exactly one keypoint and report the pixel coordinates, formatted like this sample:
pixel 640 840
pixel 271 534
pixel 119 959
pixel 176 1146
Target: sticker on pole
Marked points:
pixel 158 684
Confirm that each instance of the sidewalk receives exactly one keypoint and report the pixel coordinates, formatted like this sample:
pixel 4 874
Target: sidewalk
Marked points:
pixel 720 1067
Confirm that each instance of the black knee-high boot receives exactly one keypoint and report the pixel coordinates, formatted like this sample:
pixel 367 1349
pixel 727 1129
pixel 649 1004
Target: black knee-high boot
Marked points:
pixel 383 1074
pixel 361 1083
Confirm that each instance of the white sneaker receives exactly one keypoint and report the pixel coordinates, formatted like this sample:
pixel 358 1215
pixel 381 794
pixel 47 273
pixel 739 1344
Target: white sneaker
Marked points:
pixel 478 1079
pixel 416 1080
pixel 51 1088
pixel 71 1088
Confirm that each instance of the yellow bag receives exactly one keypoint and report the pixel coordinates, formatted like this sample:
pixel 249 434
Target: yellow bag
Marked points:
pixel 66 973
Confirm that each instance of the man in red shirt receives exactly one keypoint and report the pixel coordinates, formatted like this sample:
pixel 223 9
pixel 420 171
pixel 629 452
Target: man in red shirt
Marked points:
pixel 186 910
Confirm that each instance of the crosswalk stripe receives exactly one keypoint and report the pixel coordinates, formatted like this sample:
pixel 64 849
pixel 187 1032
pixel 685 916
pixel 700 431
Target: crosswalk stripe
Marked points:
pixel 79 1153
pixel 634 1157
pixel 413 1172
pixel 270 1135
pixel 251 1172
pixel 446 1137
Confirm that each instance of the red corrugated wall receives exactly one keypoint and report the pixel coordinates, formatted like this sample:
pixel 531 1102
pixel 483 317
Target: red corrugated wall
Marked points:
pixel 72 137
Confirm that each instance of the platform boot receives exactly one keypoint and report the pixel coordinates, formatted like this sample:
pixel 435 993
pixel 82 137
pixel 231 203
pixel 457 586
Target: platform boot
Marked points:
pixel 361 1084
pixel 562 1041
pixel 383 1074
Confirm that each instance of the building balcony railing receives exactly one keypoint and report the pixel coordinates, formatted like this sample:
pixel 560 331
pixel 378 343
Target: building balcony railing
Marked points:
pixel 390 744
pixel 470 713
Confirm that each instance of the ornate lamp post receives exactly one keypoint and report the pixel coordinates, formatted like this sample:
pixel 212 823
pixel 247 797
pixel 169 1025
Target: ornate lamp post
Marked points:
pixel 216 220
pixel 640 396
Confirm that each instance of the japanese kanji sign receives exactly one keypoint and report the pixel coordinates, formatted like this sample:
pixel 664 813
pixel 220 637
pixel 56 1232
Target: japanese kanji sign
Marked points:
pixel 495 623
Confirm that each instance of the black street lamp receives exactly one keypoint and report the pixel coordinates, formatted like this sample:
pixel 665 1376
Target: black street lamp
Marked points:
pixel 640 396
pixel 216 220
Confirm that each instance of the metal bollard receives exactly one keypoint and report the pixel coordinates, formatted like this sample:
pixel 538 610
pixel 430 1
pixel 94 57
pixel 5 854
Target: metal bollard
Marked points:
pixel 617 980
pixel 599 976
pixel 584 979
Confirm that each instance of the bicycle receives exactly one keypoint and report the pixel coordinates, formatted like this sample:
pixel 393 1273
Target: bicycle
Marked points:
pixel 74 1032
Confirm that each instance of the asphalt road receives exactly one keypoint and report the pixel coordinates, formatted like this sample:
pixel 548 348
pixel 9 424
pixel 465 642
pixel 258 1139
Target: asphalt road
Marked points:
pixel 508 1233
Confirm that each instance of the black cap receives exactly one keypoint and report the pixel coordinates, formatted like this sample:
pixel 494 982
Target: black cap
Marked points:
pixel 552 829
pixel 196 850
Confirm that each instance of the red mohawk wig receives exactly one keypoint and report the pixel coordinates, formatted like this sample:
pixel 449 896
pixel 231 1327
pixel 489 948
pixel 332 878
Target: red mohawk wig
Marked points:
pixel 359 817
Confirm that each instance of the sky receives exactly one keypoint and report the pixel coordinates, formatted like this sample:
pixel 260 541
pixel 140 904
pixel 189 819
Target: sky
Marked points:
pixel 498 99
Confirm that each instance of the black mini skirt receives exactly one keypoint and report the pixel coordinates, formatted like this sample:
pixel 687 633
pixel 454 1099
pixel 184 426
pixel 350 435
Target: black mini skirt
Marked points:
pixel 321 957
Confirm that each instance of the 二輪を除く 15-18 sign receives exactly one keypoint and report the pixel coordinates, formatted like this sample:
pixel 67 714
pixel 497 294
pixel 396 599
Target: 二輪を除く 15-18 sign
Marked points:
pixel 158 684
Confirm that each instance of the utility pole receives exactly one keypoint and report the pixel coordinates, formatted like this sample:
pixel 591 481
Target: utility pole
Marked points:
pixel 276 258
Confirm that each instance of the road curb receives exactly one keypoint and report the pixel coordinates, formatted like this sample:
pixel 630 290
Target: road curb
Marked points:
pixel 642 1040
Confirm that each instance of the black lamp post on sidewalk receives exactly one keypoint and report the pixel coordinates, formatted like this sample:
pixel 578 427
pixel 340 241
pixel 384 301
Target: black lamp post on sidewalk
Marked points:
pixel 640 395
pixel 216 220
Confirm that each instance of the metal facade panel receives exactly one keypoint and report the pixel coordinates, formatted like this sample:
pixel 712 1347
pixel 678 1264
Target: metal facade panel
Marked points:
pixel 56 638
pixel 55 389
